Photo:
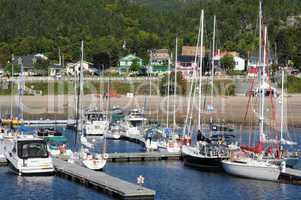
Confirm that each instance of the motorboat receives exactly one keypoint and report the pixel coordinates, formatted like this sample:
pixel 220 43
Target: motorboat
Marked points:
pixel 28 155
pixel 96 123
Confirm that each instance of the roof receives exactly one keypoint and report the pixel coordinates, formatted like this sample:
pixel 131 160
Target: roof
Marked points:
pixel 130 57
pixel 191 50
pixel 29 60
pixel 187 59
pixel 160 54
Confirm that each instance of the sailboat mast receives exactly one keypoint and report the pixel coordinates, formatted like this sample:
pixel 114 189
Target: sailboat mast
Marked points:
pixel 12 92
pixel 261 75
pixel 193 79
pixel 81 85
pixel 212 63
pixel 200 71
pixel 282 105
pixel 168 88
pixel 175 85
pixel 21 87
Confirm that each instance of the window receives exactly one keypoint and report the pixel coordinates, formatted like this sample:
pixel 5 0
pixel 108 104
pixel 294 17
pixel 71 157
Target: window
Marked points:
pixel 32 149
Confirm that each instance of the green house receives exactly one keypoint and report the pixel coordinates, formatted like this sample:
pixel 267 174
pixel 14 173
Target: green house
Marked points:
pixel 126 62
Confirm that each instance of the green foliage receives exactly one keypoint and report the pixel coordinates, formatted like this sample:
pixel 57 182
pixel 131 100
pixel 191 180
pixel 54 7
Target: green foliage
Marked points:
pixel 227 62
pixel 181 84
pixel 135 66
pixel 41 66
pixel 43 26
pixel 293 84
pixel 11 68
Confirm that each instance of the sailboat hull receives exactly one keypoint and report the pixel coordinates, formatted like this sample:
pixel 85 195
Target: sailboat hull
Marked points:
pixel 201 162
pixel 267 172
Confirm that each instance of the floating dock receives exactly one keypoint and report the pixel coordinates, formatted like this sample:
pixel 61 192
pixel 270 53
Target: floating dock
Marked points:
pixel 110 185
pixel 290 175
pixel 143 156
pixel 48 122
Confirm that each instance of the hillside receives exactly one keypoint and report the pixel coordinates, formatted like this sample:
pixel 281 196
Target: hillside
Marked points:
pixel 44 26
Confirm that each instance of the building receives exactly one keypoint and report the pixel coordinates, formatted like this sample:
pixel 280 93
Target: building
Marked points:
pixel 74 68
pixel 126 62
pixel 186 61
pixel 28 62
pixel 239 62
pixel 56 69
pixel 159 60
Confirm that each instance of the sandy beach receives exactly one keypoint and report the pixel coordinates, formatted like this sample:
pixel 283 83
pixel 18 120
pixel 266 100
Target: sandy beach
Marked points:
pixel 231 109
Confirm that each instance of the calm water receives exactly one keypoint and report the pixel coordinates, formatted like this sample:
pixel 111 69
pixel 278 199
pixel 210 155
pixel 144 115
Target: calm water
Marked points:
pixel 171 180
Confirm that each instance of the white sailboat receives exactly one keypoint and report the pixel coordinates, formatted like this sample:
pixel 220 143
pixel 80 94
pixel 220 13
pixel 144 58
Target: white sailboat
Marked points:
pixel 90 160
pixel 254 166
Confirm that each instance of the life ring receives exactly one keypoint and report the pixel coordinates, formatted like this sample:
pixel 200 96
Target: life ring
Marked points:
pixel 105 156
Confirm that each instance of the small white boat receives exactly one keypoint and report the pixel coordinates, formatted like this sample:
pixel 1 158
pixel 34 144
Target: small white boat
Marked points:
pixel 29 155
pixel 93 162
pixel 251 168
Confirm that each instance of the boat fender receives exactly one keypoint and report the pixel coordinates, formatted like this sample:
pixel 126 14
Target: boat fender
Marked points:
pixel 105 156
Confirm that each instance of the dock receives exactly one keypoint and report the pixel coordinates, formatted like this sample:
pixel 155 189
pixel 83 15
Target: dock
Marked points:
pixel 48 122
pixel 143 156
pixel 292 176
pixel 110 185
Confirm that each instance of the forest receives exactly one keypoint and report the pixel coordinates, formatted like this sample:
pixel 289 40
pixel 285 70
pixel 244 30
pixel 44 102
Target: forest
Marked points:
pixel 114 28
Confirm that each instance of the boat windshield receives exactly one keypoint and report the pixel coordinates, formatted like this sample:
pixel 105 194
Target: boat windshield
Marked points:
pixel 32 149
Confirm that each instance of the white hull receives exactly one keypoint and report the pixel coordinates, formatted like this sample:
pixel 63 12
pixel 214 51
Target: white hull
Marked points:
pixel 151 145
pixel 94 164
pixel 96 128
pixel 252 169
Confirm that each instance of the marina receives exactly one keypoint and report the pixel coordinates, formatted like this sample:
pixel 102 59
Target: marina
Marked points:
pixel 150 100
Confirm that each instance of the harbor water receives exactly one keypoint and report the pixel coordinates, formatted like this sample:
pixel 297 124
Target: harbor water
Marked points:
pixel 170 179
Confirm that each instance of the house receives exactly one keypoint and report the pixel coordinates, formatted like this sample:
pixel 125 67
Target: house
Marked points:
pixel 126 62
pixel 28 62
pixel 56 69
pixel 74 68
pixel 159 60
pixel 239 62
pixel 185 64
pixel 186 61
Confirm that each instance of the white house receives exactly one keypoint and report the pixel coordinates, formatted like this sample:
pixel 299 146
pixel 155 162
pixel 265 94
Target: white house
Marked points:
pixel 73 68
pixel 239 63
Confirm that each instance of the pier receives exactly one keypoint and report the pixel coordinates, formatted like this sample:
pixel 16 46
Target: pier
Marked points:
pixel 110 185
pixel 48 122
pixel 143 156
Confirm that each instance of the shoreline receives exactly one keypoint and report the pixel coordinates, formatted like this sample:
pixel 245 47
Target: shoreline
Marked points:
pixel 231 109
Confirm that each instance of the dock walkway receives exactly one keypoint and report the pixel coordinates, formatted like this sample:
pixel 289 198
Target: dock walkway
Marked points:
pixel 113 186
pixel 143 156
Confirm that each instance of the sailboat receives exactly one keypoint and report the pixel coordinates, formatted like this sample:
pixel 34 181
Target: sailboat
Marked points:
pixel 90 160
pixel 253 165
pixel 208 151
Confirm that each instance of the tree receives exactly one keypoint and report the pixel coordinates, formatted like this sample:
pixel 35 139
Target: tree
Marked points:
pixel 227 62
pixel 11 68
pixel 135 66
pixel 41 66
pixel 181 84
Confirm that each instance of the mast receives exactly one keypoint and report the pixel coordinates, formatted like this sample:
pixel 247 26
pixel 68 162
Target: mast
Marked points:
pixel 79 125
pixel 12 92
pixel 193 78
pixel 21 85
pixel 175 86
pixel 168 88
pixel 200 72
pixel 261 76
pixel 212 66
pixel 282 104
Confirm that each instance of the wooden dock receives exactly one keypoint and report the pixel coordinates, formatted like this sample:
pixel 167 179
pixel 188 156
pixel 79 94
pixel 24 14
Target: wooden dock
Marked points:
pixel 110 185
pixel 290 175
pixel 143 156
